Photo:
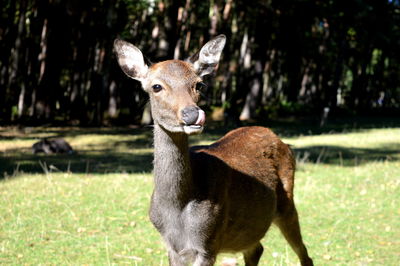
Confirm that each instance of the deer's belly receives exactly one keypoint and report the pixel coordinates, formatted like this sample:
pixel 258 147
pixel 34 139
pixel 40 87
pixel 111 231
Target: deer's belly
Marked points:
pixel 242 237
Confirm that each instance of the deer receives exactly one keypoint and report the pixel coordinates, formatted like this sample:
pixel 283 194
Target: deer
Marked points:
pixel 220 198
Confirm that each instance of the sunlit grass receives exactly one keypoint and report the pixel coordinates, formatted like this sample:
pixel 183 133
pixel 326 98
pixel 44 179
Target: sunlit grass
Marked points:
pixel 370 138
pixel 78 219
pixel 347 199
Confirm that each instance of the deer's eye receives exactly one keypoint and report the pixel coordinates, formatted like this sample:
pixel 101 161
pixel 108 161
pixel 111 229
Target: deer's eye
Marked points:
pixel 157 87
pixel 201 86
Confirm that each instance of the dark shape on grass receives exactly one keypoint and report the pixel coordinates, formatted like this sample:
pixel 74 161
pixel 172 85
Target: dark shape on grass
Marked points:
pixel 51 146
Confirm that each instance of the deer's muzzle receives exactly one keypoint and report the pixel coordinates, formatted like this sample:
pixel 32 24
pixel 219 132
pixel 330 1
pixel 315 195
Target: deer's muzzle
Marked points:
pixel 194 119
pixel 193 115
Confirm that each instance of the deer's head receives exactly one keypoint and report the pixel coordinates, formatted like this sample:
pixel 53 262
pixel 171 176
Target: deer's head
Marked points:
pixel 173 85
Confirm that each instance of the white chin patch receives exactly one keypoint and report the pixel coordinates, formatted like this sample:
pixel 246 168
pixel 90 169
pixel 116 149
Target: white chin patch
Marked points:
pixel 193 129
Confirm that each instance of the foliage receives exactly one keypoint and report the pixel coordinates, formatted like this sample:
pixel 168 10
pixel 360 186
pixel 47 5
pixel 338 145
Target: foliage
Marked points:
pixel 347 194
pixel 57 63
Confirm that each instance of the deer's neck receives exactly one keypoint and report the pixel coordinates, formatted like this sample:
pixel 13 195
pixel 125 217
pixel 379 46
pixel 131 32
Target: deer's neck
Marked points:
pixel 172 172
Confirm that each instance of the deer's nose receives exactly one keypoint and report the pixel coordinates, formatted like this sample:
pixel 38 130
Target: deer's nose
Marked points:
pixel 193 115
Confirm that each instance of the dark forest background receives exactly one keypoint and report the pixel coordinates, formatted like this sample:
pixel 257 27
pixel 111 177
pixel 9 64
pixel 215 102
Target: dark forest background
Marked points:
pixel 282 57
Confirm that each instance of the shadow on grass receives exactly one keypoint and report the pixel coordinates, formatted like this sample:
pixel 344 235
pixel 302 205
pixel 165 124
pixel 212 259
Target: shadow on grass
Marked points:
pixel 111 161
pixel 342 156
pixel 335 155
pixel 133 153
pixel 101 162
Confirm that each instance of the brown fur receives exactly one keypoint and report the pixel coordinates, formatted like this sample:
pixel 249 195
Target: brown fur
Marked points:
pixel 217 198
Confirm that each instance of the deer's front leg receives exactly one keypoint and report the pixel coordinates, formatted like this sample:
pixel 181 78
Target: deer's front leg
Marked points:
pixel 204 260
pixel 175 259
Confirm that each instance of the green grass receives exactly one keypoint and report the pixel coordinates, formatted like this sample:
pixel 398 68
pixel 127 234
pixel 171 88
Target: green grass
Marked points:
pixel 91 207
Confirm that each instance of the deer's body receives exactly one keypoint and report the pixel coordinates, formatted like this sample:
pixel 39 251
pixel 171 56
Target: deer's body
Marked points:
pixel 217 198
pixel 230 192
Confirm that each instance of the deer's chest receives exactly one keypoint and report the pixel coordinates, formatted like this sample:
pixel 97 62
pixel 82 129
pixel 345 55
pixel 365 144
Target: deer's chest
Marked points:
pixel 185 230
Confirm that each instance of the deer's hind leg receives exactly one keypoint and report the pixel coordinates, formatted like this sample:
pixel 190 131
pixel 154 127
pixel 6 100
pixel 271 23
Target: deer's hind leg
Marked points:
pixel 287 218
pixel 288 223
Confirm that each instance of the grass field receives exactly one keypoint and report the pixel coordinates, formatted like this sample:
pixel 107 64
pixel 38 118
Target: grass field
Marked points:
pixel 91 207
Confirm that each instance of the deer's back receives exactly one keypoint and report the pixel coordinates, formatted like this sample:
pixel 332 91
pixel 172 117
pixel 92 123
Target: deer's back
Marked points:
pixel 254 151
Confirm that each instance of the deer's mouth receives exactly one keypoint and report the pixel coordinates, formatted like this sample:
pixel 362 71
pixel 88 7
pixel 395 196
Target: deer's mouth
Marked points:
pixel 193 129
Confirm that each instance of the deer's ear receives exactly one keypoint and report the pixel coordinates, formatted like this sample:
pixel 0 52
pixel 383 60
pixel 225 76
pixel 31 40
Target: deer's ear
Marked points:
pixel 131 60
pixel 205 61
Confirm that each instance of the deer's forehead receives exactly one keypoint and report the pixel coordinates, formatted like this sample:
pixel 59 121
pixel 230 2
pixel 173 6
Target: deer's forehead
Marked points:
pixel 173 72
